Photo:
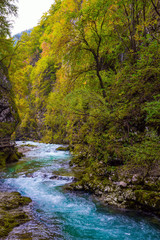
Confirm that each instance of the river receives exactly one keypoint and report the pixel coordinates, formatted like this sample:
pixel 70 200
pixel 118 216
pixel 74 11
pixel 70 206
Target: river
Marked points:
pixel 64 215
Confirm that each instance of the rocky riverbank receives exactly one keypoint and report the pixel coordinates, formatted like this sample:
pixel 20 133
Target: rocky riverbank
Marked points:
pixel 123 187
pixel 12 211
pixel 9 155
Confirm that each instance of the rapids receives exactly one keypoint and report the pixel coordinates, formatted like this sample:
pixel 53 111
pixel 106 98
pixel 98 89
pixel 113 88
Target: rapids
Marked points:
pixel 63 215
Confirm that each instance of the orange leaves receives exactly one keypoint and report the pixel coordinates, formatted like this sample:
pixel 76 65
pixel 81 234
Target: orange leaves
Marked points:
pixel 45 48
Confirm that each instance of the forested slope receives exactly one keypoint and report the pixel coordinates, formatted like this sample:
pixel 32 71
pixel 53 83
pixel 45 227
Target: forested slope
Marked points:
pixel 89 75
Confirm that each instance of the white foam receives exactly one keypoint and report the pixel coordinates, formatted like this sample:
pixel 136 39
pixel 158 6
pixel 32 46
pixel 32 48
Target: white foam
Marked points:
pixel 34 188
pixel 43 150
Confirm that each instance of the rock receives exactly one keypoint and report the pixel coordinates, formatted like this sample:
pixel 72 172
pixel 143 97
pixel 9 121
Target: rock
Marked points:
pixel 129 195
pixel 121 184
pixel 12 200
pixel 126 190
pixel 98 193
pixel 78 187
pixel 128 180
pixel 108 189
pixel 137 179
pixel 9 155
pixel 63 148
pixel 107 199
pixel 67 178
pixel 148 199
pixel 9 117
pixel 12 213
pixel 120 198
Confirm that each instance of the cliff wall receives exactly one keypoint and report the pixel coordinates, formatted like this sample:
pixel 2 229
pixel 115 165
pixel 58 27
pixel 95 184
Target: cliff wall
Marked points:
pixel 9 118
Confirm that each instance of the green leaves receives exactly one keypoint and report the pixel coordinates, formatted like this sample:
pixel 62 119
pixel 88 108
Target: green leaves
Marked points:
pixel 88 75
pixel 153 111
pixel 7 9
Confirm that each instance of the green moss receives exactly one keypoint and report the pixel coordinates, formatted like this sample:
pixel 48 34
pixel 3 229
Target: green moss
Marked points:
pixel 3 158
pixel 153 186
pixel 13 157
pixel 13 200
pixel 148 198
pixel 9 220
pixel 27 145
pixel 11 215
pixel 9 155
pixel 7 128
pixel 63 149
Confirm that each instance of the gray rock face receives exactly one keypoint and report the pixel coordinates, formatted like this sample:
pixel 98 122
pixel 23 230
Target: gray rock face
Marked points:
pixel 5 110
pixel 8 113
pixel 4 81
pixel 9 119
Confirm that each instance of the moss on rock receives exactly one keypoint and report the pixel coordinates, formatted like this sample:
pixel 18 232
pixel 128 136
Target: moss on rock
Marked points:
pixel 9 155
pixel 120 187
pixel 2 159
pixel 11 211
pixel 148 198
pixel 63 148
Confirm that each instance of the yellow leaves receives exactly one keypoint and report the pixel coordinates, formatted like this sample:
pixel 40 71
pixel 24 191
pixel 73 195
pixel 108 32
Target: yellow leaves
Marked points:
pixel 69 5
pixel 139 27
pixel 137 37
pixel 113 8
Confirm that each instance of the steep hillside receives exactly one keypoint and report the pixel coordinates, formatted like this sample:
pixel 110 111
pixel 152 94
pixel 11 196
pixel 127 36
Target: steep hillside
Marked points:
pixel 89 75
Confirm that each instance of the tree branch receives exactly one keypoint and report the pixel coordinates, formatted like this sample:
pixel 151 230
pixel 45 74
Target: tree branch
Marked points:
pixel 155 8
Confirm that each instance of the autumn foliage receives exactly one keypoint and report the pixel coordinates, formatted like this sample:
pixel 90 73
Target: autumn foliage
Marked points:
pixel 89 75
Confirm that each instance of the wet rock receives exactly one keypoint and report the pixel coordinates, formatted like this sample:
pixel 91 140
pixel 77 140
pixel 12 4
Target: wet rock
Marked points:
pixel 67 178
pixel 63 148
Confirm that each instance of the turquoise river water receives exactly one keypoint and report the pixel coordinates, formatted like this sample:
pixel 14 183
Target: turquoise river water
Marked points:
pixel 63 215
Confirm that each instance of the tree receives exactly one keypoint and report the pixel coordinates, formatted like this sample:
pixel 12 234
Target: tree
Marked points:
pixel 82 32
pixel 87 74
pixel 7 9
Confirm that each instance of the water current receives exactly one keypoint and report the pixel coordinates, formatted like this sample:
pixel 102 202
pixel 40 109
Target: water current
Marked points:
pixel 59 214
